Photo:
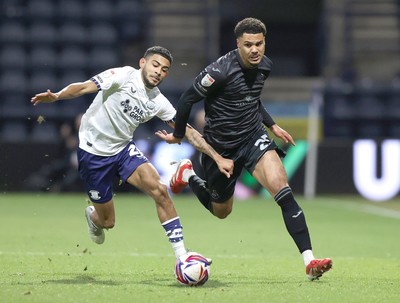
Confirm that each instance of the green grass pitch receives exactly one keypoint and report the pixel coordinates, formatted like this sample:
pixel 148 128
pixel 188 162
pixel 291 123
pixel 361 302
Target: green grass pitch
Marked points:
pixel 47 256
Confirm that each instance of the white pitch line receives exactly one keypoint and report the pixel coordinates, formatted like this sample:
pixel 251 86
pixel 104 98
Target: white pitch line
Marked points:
pixel 90 253
pixel 369 209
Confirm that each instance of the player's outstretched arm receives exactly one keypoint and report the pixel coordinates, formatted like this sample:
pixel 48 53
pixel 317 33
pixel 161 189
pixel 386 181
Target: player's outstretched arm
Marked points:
pixel 71 91
pixel 225 166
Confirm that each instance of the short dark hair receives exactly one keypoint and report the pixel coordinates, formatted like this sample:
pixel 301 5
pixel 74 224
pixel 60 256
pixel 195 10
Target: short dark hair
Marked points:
pixel 160 51
pixel 250 26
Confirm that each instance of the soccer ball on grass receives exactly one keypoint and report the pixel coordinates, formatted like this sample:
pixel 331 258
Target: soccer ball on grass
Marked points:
pixel 192 269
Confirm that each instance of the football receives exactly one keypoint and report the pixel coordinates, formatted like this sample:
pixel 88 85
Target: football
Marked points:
pixel 192 269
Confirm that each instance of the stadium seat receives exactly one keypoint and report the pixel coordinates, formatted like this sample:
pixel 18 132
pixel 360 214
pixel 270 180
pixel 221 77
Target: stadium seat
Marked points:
pixel 43 58
pixel 394 130
pixel 130 8
pixel 41 9
pixel 45 132
pixel 101 10
pixel 14 106
pixel 13 81
pixel 71 76
pixel 370 129
pixel 71 10
pixel 102 59
pixel 12 8
pixel 12 33
pixel 369 107
pixel 72 58
pixel 130 15
pixel 342 107
pixel 14 131
pixel 72 33
pixel 42 34
pixel 42 80
pixel 393 105
pixel 102 34
pixel 13 57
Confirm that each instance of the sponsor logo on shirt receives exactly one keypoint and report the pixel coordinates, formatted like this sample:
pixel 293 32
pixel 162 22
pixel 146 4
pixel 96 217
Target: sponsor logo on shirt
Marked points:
pixel 207 80
pixel 133 111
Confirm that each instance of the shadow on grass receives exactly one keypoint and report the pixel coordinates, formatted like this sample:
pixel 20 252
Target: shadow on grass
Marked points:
pixel 82 279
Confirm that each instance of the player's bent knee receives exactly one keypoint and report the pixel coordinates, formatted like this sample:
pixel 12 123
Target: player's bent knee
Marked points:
pixel 221 213
pixel 108 224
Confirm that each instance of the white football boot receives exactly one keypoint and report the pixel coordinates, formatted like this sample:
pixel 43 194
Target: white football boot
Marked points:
pixel 95 233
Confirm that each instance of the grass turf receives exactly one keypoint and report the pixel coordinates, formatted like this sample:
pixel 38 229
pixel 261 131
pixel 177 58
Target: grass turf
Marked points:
pixel 46 254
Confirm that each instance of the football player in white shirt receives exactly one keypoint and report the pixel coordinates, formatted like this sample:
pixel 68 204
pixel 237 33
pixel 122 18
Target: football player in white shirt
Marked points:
pixel 126 97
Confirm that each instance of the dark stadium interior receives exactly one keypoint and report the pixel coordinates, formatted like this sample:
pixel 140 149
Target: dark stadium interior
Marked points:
pixel 350 48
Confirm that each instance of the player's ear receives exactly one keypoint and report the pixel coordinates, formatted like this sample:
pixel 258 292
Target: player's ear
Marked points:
pixel 237 42
pixel 142 62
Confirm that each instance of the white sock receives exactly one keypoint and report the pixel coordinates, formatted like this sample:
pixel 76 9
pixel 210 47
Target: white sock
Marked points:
pixel 179 248
pixel 307 256
pixel 187 173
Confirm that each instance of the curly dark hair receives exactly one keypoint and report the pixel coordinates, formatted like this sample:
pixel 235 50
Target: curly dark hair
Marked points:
pixel 160 51
pixel 250 26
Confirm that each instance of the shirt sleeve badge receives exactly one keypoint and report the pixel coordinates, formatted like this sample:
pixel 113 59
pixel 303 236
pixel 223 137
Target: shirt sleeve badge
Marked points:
pixel 207 80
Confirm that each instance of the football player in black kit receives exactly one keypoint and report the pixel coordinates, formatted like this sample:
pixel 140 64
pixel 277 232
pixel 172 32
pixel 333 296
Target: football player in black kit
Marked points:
pixel 235 121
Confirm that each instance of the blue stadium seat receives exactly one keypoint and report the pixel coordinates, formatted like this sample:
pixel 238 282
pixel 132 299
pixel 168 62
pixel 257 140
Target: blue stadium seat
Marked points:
pixel 101 10
pixel 103 58
pixel 70 76
pixel 42 80
pixel 72 33
pixel 42 34
pixel 370 129
pixel 14 131
pixel 370 107
pixel 45 132
pixel 71 10
pixel 41 9
pixel 14 106
pixel 342 107
pixel 13 81
pixel 393 105
pixel 43 58
pixel 130 16
pixel 73 58
pixel 102 34
pixel 13 57
pixel 394 130
pixel 12 33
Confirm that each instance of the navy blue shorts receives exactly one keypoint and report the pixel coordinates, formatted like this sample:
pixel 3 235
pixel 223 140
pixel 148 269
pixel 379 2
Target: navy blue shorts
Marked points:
pixel 98 172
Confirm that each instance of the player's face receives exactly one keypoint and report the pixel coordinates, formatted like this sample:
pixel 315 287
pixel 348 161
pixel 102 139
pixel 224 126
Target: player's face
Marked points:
pixel 154 70
pixel 251 48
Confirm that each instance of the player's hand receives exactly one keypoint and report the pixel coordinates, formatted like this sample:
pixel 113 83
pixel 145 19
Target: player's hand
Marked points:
pixel 46 97
pixel 167 137
pixel 226 166
pixel 282 134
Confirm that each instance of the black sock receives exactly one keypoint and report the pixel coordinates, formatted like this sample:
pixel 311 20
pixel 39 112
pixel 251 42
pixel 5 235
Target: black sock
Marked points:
pixel 199 188
pixel 294 218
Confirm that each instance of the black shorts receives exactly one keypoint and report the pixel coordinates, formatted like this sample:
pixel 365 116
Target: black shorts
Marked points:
pixel 221 188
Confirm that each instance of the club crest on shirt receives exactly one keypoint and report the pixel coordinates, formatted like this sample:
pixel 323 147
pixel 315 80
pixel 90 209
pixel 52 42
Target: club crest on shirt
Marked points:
pixel 207 80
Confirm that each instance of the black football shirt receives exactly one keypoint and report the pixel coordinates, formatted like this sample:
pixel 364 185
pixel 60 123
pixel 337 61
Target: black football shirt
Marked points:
pixel 232 100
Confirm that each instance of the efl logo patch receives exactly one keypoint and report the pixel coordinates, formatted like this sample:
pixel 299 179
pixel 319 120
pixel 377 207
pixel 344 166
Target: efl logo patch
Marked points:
pixel 207 81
